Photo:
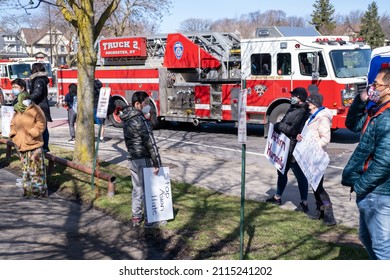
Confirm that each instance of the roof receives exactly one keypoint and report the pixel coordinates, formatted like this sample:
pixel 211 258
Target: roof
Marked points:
pixel 33 35
pixel 286 31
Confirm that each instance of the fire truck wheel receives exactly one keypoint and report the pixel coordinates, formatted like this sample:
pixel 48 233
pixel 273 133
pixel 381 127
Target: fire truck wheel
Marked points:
pixel 114 117
pixel 278 113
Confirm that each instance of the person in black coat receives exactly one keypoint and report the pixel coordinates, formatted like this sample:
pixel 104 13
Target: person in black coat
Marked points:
pixel 38 91
pixel 291 125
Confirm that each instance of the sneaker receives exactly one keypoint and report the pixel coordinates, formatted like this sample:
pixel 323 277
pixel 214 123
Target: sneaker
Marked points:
pixel 71 140
pixel 274 200
pixel 46 150
pixel 303 207
pixel 155 224
pixel 102 140
pixel 136 221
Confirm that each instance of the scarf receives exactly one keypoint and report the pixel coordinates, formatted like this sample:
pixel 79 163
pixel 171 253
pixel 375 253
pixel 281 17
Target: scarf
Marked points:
pixel 19 106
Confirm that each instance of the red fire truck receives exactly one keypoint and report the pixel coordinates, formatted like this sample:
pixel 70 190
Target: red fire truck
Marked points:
pixel 197 77
pixel 11 69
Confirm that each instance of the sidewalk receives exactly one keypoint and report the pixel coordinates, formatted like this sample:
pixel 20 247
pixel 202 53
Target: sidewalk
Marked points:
pixel 59 229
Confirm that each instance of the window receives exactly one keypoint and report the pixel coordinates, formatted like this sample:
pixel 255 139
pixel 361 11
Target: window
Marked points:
pixel 307 64
pixel 261 64
pixel 62 48
pixel 284 63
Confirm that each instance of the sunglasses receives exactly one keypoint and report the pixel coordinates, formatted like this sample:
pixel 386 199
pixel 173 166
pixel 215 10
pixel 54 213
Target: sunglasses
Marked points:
pixel 376 84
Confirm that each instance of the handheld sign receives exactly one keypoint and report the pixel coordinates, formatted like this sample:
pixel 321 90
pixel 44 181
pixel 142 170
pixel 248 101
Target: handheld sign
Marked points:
pixel 104 99
pixel 158 195
pixel 7 112
pixel 277 148
pixel 311 157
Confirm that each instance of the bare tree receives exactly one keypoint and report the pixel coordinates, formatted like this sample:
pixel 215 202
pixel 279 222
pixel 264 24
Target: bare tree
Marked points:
pixel 295 21
pixel 81 14
pixel 384 22
pixel 136 17
pixel 195 24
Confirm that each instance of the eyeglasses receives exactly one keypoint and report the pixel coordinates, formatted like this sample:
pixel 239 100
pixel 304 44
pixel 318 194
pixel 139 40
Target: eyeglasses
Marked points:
pixel 376 84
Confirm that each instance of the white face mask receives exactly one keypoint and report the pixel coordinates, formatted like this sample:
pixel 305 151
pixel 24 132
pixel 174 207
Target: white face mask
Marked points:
pixel 146 109
pixel 294 100
pixel 26 102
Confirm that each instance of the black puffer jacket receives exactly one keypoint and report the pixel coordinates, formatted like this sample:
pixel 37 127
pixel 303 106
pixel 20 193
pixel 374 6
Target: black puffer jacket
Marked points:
pixel 293 123
pixel 39 92
pixel 139 137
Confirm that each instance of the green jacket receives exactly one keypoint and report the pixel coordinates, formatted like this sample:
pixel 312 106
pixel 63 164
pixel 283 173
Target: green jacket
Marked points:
pixel 368 169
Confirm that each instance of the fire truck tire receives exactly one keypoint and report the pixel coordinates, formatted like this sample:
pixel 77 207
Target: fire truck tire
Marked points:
pixel 114 117
pixel 278 113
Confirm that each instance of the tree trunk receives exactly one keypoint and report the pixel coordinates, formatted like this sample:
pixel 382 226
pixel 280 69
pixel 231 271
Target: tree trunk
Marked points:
pixel 86 62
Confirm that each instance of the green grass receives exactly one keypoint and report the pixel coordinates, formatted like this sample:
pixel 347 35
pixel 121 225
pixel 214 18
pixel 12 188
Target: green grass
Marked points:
pixel 207 223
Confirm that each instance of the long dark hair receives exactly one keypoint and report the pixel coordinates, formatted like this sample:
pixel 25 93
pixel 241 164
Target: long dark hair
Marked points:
pixel 37 67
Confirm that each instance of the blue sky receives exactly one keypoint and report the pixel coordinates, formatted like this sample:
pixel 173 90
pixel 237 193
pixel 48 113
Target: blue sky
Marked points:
pixel 217 9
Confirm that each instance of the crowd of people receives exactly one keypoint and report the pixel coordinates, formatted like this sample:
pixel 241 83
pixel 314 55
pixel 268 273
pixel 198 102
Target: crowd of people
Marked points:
pixel 367 172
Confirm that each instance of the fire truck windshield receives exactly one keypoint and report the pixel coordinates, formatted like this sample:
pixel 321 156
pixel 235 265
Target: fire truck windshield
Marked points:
pixel 23 70
pixel 350 63
pixel 19 71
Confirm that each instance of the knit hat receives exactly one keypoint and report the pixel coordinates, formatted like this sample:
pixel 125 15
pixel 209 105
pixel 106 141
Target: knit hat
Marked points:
pixel 300 92
pixel 316 99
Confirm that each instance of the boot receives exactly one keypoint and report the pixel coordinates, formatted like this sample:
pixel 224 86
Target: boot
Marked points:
pixel 319 213
pixel 329 219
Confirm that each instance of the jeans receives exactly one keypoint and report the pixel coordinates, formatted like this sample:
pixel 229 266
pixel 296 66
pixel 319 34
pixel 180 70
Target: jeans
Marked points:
pixel 137 178
pixel 301 178
pixel 45 136
pixel 374 225
pixel 72 115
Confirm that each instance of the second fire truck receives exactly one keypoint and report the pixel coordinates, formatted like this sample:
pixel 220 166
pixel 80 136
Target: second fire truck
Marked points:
pixel 197 78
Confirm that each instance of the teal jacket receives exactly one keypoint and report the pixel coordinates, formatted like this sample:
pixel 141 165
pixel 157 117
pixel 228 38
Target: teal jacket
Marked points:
pixel 368 169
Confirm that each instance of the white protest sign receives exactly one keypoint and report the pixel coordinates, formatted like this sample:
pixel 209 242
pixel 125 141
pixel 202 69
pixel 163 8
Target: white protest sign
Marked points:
pixel 158 194
pixel 242 117
pixel 312 159
pixel 104 99
pixel 7 112
pixel 277 148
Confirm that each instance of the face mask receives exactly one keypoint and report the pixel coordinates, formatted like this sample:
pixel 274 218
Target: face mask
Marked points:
pixel 294 100
pixel 15 91
pixel 26 102
pixel 373 94
pixel 146 109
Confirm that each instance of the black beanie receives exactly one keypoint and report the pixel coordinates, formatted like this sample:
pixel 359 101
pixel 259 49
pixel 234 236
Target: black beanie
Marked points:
pixel 300 92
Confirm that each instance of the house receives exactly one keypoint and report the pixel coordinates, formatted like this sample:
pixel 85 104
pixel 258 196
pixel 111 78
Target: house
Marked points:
pixel 11 46
pixel 350 30
pixel 49 43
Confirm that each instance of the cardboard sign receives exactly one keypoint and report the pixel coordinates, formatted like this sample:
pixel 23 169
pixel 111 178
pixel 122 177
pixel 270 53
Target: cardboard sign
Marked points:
pixel 277 148
pixel 242 135
pixel 7 112
pixel 311 157
pixel 104 99
pixel 158 195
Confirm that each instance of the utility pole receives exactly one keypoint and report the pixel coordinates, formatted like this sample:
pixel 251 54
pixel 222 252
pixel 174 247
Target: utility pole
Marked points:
pixel 50 41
